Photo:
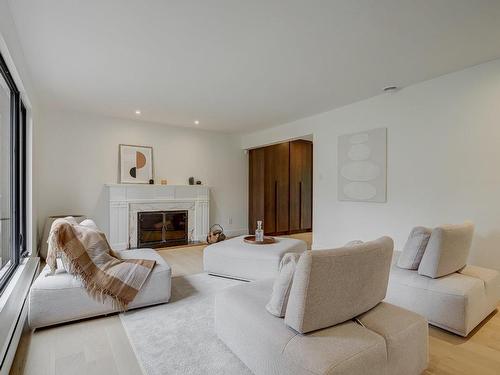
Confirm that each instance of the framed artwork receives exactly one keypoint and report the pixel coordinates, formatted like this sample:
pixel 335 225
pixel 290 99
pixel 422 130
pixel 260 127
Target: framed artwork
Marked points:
pixel 136 164
pixel 362 166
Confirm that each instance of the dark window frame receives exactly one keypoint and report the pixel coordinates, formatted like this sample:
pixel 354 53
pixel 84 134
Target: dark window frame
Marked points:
pixel 17 174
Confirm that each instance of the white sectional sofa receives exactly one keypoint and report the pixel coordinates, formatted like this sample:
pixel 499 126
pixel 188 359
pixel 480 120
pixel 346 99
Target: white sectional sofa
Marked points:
pixel 61 298
pixel 334 321
pixel 457 302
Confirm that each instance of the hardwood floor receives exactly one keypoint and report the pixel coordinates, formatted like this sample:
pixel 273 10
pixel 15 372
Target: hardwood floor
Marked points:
pixel 94 346
pixel 184 261
pixel 479 353
pixel 100 345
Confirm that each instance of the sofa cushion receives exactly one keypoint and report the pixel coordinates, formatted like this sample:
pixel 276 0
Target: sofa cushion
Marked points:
pixel 447 250
pixel 332 286
pixel 414 248
pixel 62 297
pixel 405 334
pixel 87 223
pixel 353 243
pixel 282 285
pixel 267 346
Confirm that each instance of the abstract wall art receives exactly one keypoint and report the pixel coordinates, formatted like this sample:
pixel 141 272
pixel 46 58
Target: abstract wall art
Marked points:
pixel 362 166
pixel 136 164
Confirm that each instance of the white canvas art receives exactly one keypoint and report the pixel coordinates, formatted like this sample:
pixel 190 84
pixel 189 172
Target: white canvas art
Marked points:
pixel 136 164
pixel 362 166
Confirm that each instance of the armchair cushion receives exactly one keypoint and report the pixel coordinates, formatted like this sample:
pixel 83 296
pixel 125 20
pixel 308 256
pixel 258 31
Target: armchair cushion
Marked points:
pixel 332 286
pixel 447 250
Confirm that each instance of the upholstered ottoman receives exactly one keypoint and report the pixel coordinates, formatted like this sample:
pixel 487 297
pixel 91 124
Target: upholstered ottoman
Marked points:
pixel 61 297
pixel 240 260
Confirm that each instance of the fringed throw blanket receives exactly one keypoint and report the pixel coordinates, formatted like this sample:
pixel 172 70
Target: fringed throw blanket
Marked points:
pixel 91 259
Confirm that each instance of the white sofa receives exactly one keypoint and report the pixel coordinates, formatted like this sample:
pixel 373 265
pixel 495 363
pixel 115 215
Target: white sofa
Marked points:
pixel 61 298
pixel 457 302
pixel 319 334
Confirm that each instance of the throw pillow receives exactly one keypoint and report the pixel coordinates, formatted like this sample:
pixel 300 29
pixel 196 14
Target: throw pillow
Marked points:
pixel 89 223
pixel 353 243
pixel 95 252
pixel 282 285
pixel 414 248
pixel 447 250
pixel 64 260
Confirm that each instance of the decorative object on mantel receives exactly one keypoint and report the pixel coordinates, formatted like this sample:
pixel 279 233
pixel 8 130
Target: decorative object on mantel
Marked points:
pixel 266 241
pixel 136 164
pixel 43 247
pixel 362 166
pixel 163 182
pixel 191 180
pixel 216 234
pixel 198 182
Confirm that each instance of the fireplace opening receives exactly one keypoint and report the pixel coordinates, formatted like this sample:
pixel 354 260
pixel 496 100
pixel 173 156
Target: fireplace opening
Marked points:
pixel 162 228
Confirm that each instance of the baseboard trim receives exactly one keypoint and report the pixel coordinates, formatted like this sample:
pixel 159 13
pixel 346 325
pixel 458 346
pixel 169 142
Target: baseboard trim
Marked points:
pixel 15 312
pixel 235 232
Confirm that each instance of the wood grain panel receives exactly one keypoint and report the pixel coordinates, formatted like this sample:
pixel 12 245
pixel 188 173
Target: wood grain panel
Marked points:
pixel 256 187
pixel 276 194
pixel 300 186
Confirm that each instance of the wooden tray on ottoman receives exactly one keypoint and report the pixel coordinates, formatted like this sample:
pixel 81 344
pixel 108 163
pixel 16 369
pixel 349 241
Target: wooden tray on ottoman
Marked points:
pixel 267 240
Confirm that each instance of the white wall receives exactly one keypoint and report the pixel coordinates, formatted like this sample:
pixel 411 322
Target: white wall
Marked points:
pixel 14 295
pixel 11 50
pixel 78 153
pixel 443 161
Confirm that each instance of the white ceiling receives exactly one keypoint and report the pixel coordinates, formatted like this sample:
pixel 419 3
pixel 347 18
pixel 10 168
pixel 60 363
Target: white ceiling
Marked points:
pixel 243 65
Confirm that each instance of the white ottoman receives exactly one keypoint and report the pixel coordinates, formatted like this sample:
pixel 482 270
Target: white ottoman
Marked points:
pixel 237 259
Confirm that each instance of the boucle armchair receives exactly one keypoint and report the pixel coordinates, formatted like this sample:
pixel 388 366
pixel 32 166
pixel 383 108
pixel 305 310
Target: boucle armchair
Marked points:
pixel 61 297
pixel 457 302
pixel 438 284
pixel 335 322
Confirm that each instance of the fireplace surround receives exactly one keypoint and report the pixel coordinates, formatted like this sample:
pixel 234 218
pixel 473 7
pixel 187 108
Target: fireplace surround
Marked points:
pixel 125 201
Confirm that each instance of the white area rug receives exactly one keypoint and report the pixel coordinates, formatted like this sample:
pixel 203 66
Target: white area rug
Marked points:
pixel 179 337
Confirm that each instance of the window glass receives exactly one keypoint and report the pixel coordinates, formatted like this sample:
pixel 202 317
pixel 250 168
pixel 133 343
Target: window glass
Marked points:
pixel 6 253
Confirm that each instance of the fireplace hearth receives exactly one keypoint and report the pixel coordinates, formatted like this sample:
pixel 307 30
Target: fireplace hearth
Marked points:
pixel 162 228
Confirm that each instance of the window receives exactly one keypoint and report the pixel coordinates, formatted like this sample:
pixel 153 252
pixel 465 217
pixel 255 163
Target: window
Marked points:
pixel 12 175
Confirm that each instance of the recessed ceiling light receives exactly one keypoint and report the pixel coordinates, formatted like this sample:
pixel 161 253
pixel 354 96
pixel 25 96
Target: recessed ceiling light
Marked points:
pixel 391 88
pixel 137 111
pixel 196 122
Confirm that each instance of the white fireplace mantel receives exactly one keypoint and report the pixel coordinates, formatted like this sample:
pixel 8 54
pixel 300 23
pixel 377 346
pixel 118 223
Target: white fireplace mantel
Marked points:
pixel 126 200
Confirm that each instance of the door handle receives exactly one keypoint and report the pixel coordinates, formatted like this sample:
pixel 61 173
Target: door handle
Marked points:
pixel 276 205
pixel 300 205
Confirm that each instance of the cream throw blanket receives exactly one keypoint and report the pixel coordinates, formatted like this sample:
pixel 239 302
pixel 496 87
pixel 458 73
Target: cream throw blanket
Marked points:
pixel 91 259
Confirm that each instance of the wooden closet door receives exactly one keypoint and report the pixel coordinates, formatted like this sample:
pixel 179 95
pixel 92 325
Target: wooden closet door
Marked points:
pixel 256 158
pixel 276 194
pixel 300 186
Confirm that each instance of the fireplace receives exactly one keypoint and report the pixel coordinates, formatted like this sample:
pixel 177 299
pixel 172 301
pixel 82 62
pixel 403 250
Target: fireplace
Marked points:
pixel 162 228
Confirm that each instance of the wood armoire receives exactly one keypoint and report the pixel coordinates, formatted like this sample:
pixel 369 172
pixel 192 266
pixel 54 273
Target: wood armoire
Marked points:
pixel 280 188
